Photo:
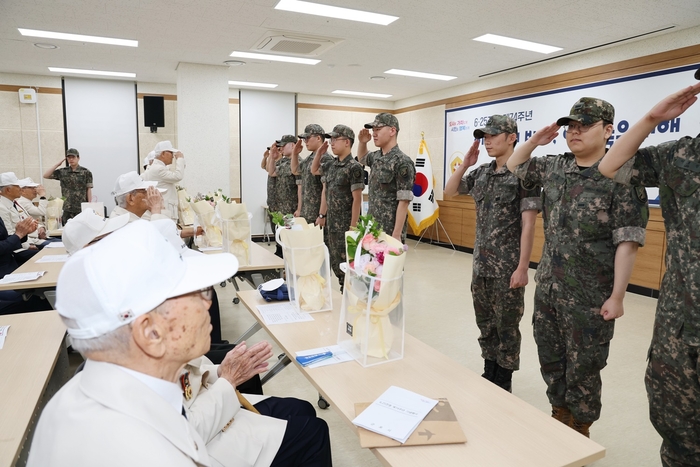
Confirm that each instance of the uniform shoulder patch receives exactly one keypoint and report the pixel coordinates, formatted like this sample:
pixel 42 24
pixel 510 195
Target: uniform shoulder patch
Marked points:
pixel 357 172
pixel 640 195
pixel 528 185
pixel 404 171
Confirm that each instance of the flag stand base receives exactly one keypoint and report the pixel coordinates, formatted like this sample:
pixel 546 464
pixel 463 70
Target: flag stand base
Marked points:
pixel 437 234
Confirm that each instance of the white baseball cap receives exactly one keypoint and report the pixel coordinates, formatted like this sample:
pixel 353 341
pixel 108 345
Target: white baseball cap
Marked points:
pixel 8 179
pixel 131 181
pixel 28 183
pixel 151 155
pixel 128 274
pixel 164 146
pixel 87 226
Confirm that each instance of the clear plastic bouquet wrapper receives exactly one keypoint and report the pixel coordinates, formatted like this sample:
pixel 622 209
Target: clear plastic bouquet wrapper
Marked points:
pixel 372 321
pixel 54 211
pixel 185 214
pixel 235 223
pixel 307 265
pixel 203 207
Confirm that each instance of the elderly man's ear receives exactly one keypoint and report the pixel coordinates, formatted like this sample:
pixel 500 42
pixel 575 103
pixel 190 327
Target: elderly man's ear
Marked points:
pixel 149 334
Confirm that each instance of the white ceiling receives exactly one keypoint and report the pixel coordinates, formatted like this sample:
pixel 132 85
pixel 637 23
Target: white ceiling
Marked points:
pixel 431 36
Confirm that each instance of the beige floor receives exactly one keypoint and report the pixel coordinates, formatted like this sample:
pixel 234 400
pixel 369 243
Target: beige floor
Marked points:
pixel 441 314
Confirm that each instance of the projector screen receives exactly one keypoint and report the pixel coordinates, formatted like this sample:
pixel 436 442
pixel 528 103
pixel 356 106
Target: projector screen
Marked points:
pixel 100 122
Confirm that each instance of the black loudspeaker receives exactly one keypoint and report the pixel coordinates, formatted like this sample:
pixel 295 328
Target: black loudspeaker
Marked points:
pixel 153 112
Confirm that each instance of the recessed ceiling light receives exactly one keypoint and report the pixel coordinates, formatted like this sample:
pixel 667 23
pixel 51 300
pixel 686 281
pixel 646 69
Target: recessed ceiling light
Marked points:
pixel 92 72
pixel 328 11
pixel 377 77
pixel 77 37
pixel 517 43
pixel 274 58
pixel 361 94
pixel 234 63
pixel 252 85
pixel 419 74
pixel 45 45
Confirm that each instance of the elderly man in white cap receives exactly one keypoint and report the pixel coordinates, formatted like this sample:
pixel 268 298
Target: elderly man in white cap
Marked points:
pixel 168 168
pixel 283 432
pixel 30 190
pixel 137 198
pixel 11 213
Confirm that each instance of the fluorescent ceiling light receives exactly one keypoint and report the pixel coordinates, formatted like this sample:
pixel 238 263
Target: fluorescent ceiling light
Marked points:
pixel 252 85
pixel 274 58
pixel 418 74
pixel 92 72
pixel 517 43
pixel 361 94
pixel 78 37
pixel 335 12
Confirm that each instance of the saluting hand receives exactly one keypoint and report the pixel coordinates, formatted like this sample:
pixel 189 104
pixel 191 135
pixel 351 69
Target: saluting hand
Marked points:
pixel 298 146
pixel 472 155
pixel 364 136
pixel 545 135
pixel 323 149
pixel 675 104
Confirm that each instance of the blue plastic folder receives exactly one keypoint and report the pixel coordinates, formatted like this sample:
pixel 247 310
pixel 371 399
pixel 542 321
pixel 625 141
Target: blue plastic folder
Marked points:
pixel 310 359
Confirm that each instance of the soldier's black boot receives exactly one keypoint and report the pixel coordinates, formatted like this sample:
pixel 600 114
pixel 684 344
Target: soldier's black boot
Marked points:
pixel 503 378
pixel 489 369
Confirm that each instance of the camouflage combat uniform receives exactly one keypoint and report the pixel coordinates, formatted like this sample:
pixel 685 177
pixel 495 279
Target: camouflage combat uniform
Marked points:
pixel 271 199
pixel 585 217
pixel 311 188
pixel 672 376
pixel 74 185
pixel 341 178
pixel 500 200
pixel 286 193
pixel 390 181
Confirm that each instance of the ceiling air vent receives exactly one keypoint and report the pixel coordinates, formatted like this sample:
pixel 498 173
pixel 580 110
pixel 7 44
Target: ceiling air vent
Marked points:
pixel 289 43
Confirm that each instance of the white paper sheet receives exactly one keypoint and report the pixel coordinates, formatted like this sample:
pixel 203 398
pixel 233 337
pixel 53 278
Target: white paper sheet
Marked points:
pixel 210 248
pixel 396 413
pixel 54 245
pixel 339 355
pixel 3 333
pixel 53 259
pixel 21 277
pixel 282 313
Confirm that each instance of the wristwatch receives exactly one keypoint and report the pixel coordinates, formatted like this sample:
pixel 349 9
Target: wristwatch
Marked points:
pixel 321 216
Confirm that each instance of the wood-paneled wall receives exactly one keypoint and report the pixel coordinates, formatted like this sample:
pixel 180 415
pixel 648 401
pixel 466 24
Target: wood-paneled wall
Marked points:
pixel 458 216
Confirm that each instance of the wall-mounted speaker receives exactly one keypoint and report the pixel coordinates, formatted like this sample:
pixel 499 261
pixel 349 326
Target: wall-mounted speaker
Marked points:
pixel 153 112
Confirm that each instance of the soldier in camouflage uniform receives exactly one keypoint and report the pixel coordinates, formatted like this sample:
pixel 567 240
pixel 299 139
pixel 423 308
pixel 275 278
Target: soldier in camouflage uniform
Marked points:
pixel 592 229
pixel 286 191
pixel 76 183
pixel 344 181
pixel 505 229
pixel 392 176
pixel 311 185
pixel 673 372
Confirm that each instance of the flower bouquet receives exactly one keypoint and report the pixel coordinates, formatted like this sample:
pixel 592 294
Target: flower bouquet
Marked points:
pixel 235 222
pixel 184 211
pixel 203 207
pixel 307 266
pixel 54 211
pixel 372 318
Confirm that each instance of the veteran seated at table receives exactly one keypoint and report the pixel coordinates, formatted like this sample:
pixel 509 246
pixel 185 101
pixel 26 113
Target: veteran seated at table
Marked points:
pixel 287 433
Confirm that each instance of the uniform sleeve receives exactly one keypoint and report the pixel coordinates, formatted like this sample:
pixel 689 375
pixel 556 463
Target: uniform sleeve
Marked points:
pixel 630 212
pixel 357 177
pixel 370 159
pixel 56 175
pixel 325 167
pixel 405 178
pixel 645 167
pixel 467 183
pixel 532 171
pixel 530 199
pixel 88 179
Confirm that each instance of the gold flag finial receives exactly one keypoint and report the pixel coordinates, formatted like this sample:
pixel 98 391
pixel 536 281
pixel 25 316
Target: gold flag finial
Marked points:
pixel 422 135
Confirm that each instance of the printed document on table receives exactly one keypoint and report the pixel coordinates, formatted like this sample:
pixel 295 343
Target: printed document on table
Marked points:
pixel 21 277
pixel 396 414
pixel 3 333
pixel 282 313
pixel 54 245
pixel 53 259
pixel 340 355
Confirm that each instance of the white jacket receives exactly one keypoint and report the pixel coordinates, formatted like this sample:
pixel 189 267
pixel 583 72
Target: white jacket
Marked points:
pixel 167 179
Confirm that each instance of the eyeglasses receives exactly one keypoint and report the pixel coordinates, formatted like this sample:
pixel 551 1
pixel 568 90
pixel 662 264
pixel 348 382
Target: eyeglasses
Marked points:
pixel 207 293
pixel 339 138
pixel 579 128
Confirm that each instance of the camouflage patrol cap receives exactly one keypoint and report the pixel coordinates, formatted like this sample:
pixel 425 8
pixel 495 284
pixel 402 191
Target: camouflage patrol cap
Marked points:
pixel 312 129
pixel 589 110
pixel 286 139
pixel 496 125
pixel 341 131
pixel 383 119
pixel 72 152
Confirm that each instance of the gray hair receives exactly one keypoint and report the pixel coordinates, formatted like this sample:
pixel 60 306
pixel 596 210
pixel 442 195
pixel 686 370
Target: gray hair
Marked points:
pixel 121 200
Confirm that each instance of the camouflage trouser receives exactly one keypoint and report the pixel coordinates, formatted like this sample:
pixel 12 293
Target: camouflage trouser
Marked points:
pixel 67 215
pixel 498 310
pixel 673 387
pixel 336 251
pixel 573 342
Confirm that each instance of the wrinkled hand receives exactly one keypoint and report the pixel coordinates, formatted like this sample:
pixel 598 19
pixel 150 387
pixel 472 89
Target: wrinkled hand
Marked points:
pixel 154 200
pixel 298 146
pixel 518 279
pixel 545 135
pixel 179 155
pixel 472 154
pixel 25 226
pixel 675 104
pixel 42 233
pixel 612 309
pixel 242 363
pixel 364 136
pixel 40 190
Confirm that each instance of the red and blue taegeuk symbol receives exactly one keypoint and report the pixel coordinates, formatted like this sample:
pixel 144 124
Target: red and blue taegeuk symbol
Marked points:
pixel 420 186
